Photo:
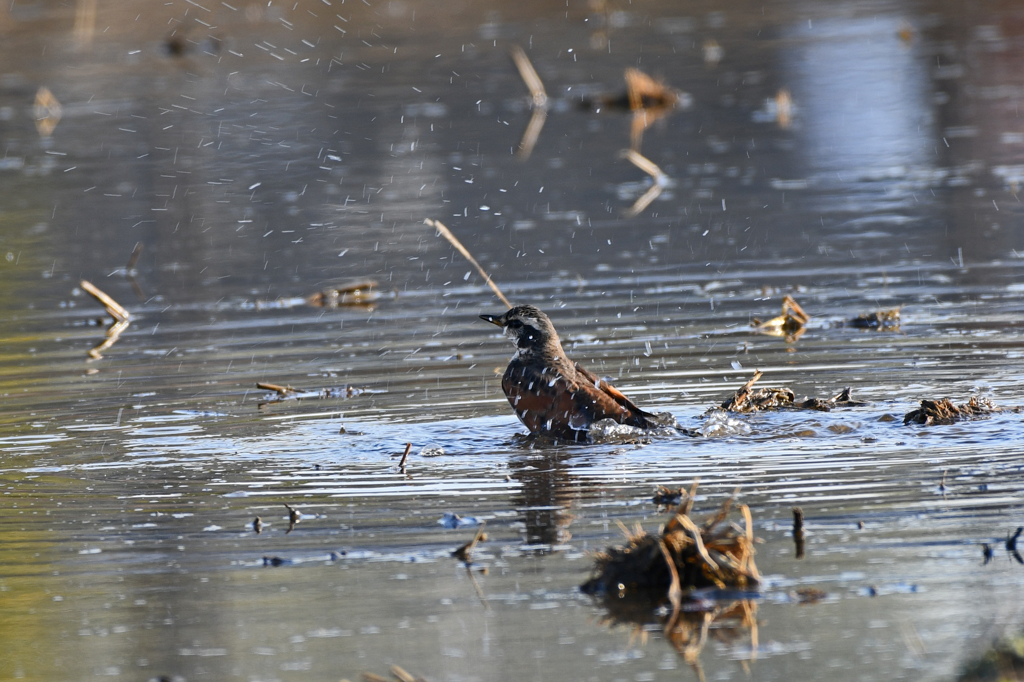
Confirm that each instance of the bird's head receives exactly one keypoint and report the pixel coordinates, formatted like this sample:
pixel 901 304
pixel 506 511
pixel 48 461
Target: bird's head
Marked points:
pixel 528 328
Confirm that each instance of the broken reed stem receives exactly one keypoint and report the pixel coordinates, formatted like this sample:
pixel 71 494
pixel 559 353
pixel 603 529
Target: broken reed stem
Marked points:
pixel 115 309
pixel 530 77
pixel 646 165
pixel 280 390
pixel 447 234
pixel 698 541
pixel 405 455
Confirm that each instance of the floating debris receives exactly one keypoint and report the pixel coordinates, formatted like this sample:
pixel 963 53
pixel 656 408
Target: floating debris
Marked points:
pixel 294 516
pixel 746 400
pixel 452 520
pixel 683 556
pixel 122 318
pixel 113 308
pixel 661 181
pixel 986 552
pixel 883 320
pixel 842 399
pixel 47 111
pixel 289 393
pixel 360 292
pixel 792 323
pixel 341 294
pixel 807 595
pixel 539 102
pixel 465 555
pixel 465 552
pixel 650 100
pixel 668 497
pixel 275 561
pixel 943 411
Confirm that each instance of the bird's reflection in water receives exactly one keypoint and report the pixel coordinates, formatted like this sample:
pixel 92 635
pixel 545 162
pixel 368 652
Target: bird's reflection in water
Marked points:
pixel 546 492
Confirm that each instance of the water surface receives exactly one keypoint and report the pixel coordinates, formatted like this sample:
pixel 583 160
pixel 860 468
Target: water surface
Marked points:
pixel 260 153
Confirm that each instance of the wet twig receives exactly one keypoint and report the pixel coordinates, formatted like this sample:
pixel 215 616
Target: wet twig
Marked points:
pixel 539 97
pixel 294 516
pixel 280 390
pixel 405 456
pixel 113 308
pixel 122 318
pixel 289 393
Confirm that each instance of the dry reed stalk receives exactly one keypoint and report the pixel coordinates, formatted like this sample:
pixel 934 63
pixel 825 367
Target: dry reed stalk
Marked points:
pixel 530 77
pixel 661 181
pixel 280 390
pixel 115 309
pixel 447 234
pixel 405 455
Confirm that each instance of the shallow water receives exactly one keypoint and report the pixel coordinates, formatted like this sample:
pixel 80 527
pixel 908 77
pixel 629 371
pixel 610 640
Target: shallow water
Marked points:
pixel 291 145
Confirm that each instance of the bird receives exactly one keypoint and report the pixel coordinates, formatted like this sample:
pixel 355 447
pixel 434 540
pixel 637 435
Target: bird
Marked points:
pixel 550 394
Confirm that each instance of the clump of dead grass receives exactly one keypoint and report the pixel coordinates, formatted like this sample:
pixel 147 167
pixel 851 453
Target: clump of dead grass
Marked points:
pixel 682 556
pixel 944 411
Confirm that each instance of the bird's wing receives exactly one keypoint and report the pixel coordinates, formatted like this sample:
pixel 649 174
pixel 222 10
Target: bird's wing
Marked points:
pixel 536 396
pixel 615 394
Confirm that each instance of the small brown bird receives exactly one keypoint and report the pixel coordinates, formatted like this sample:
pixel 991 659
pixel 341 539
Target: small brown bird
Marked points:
pixel 550 394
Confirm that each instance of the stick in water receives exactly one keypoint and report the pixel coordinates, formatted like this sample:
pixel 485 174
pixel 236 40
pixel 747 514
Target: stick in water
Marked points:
pixel 115 309
pixel 447 234
pixel 530 77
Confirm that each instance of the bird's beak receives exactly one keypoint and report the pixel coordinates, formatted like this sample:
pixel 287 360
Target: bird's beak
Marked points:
pixel 496 320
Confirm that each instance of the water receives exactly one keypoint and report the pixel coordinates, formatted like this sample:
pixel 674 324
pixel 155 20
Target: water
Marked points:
pixel 261 152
